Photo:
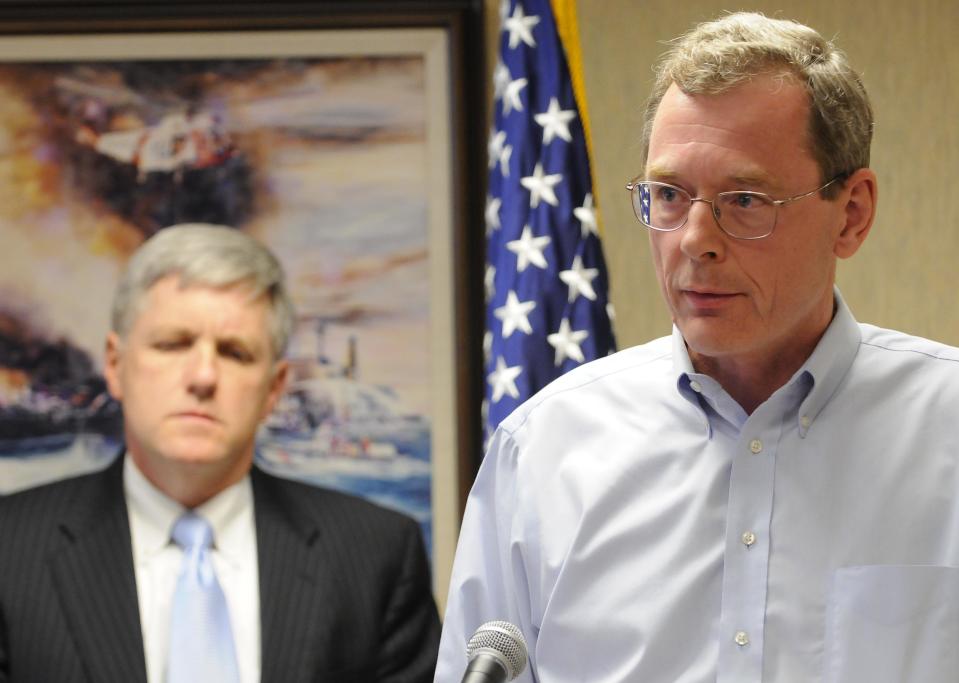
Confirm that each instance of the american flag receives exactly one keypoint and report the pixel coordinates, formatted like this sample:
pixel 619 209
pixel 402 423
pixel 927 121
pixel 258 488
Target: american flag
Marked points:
pixel 547 304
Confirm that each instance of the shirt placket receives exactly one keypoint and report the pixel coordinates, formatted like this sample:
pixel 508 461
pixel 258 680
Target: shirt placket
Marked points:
pixel 746 559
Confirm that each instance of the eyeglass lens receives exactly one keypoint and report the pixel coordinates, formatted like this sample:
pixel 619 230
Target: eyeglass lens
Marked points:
pixel 741 214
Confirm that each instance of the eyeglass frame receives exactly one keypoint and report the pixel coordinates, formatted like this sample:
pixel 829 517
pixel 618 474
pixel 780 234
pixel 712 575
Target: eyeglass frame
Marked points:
pixel 635 182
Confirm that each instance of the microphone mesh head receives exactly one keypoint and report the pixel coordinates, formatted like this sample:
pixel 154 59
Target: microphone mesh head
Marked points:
pixel 502 640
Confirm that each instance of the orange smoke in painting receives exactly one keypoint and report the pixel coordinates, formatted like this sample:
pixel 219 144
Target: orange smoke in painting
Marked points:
pixel 35 195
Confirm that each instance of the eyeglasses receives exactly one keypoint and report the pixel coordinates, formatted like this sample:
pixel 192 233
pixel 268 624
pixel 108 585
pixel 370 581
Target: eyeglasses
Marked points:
pixel 741 214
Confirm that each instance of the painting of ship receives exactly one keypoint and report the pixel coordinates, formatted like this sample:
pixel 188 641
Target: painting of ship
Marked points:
pixel 333 429
pixel 329 414
pixel 49 393
pixel 326 159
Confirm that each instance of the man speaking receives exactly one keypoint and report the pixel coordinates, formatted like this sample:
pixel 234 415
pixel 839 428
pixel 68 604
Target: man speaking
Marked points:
pixel 770 493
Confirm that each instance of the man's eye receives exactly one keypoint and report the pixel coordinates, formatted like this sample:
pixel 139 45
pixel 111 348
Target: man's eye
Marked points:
pixel 236 353
pixel 743 200
pixel 171 344
pixel 668 194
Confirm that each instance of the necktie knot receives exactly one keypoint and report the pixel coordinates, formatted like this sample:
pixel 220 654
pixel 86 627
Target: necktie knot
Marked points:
pixel 191 532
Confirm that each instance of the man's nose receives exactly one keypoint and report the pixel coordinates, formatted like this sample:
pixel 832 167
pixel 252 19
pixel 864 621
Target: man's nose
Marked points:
pixel 702 237
pixel 202 371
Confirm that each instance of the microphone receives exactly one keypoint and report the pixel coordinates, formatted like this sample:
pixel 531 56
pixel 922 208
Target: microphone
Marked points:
pixel 496 652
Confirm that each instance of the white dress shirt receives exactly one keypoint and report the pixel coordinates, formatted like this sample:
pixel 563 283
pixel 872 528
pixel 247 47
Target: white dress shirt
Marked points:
pixel 639 526
pixel 157 561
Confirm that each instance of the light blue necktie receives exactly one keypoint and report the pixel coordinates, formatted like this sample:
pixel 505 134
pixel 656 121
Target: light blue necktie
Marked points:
pixel 201 640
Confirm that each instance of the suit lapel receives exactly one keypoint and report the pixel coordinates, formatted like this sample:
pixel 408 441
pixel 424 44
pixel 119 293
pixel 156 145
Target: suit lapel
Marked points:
pixel 293 584
pixel 94 576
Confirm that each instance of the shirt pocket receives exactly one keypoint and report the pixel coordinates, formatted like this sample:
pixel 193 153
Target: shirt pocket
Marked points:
pixel 893 624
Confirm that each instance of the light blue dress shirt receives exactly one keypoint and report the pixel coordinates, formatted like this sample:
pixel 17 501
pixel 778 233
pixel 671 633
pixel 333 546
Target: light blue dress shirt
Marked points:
pixel 640 527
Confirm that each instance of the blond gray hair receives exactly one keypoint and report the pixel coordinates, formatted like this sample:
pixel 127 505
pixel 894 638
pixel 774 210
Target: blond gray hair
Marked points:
pixel 210 256
pixel 716 56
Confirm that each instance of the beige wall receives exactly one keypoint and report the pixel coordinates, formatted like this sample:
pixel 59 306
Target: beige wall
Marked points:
pixel 907 273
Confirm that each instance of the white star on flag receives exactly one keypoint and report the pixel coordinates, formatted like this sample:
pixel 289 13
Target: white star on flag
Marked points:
pixel 494 149
pixel 501 79
pixel 579 280
pixel 487 344
pixel 587 216
pixel 566 342
pixel 540 186
pixel 498 151
pixel 555 121
pixel 503 379
pixel 520 27
pixel 511 93
pixel 489 280
pixel 529 249
pixel 504 160
pixel 514 315
pixel 493 205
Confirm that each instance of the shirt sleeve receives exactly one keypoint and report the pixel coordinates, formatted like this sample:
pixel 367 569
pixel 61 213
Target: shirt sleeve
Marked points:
pixel 489 580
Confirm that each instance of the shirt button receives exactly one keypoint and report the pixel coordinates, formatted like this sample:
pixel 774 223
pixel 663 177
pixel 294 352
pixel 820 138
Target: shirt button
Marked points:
pixel 748 538
pixel 756 446
pixel 696 386
pixel 741 638
pixel 805 421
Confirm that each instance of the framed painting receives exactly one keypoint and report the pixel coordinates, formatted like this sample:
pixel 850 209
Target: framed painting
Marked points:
pixel 336 134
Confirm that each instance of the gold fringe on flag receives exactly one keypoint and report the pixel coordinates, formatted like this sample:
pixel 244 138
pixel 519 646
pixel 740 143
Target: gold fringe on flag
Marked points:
pixel 567 26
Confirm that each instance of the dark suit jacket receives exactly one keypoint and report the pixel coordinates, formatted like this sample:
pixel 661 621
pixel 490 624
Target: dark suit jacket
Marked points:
pixel 344 587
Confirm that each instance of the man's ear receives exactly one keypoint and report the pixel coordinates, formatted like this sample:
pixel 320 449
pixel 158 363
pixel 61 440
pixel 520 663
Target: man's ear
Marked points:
pixel 281 374
pixel 860 194
pixel 111 365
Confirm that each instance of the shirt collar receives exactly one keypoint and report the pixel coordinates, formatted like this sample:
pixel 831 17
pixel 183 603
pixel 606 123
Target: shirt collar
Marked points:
pixel 229 512
pixel 815 382
pixel 829 362
pixel 702 391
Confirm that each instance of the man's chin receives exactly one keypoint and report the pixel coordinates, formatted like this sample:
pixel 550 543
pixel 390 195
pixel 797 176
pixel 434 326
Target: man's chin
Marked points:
pixel 196 460
pixel 203 455
pixel 710 337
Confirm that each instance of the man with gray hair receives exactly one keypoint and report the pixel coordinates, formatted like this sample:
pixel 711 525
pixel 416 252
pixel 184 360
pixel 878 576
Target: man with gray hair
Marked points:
pixel 182 561
pixel 768 494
